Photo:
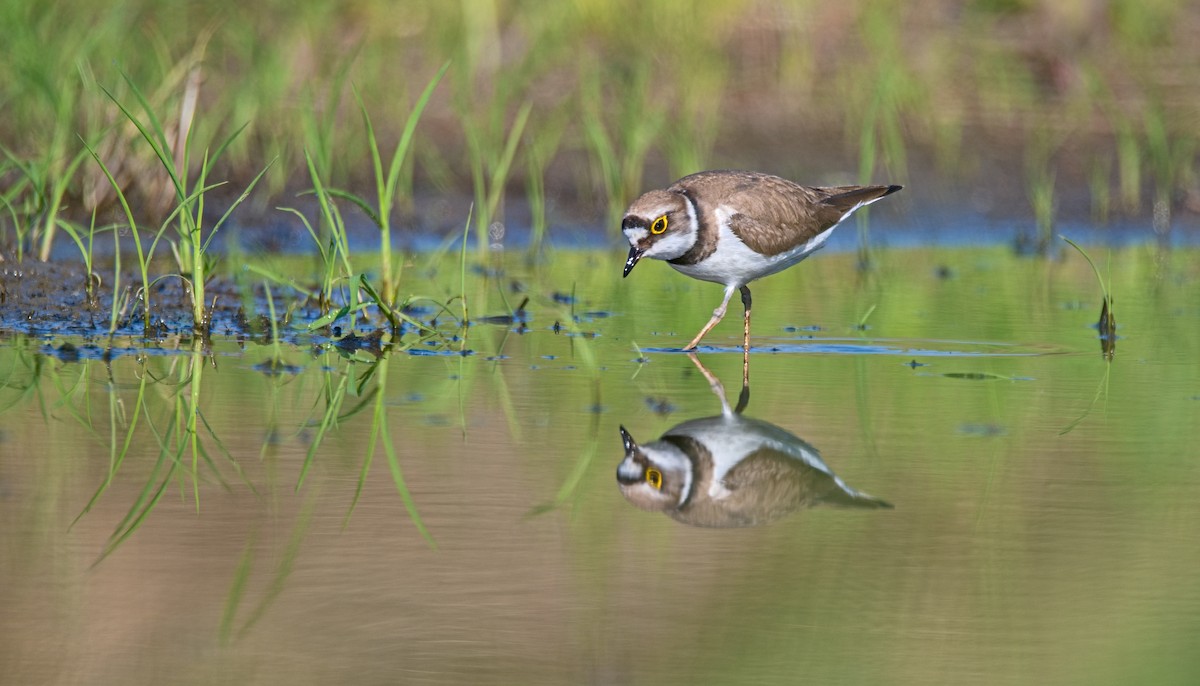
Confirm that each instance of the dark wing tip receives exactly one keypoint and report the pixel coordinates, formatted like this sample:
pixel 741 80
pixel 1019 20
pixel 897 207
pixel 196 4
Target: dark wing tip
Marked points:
pixel 893 188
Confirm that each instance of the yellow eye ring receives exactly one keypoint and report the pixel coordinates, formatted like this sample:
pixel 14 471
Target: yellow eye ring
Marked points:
pixel 654 478
pixel 659 225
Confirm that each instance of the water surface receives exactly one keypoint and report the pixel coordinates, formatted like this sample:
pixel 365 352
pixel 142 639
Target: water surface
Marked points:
pixel 1042 529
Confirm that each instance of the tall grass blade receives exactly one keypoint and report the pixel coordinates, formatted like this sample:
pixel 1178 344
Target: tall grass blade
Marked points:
pixel 1107 324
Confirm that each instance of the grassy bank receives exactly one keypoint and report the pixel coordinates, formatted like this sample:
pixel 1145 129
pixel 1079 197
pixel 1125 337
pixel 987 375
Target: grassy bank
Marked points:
pixel 585 103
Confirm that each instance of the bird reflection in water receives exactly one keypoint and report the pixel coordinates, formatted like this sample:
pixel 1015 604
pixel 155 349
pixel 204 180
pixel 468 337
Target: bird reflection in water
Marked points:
pixel 730 470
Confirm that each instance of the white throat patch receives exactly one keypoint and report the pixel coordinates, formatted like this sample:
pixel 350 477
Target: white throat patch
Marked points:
pixel 672 245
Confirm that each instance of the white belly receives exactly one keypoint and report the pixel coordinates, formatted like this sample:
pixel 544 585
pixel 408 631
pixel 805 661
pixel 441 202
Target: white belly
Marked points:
pixel 733 263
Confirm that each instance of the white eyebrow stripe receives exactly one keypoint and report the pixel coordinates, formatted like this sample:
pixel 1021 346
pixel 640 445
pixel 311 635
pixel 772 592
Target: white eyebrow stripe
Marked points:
pixel 691 211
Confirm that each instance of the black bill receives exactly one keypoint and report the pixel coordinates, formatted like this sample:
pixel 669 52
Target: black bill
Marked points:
pixel 634 255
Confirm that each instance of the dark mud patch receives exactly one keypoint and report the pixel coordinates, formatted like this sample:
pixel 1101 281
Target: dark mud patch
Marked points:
pixel 52 299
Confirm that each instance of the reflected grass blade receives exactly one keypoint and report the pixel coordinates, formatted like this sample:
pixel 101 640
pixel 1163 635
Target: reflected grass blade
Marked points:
pixel 587 357
pixel 1101 389
pixel 286 563
pixel 238 589
pixel 147 499
pixel 116 455
pixel 389 449
pixel 233 462
pixel 380 428
pixel 578 471
pixel 329 420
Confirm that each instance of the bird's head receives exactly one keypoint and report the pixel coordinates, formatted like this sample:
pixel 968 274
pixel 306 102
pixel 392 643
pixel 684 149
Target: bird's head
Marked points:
pixel 660 224
pixel 654 477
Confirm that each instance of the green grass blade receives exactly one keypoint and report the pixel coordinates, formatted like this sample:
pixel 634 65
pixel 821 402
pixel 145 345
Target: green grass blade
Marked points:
pixel 1095 270
pixel 500 173
pixel 410 127
pixel 117 456
pixel 159 150
pixel 236 203
pixel 359 202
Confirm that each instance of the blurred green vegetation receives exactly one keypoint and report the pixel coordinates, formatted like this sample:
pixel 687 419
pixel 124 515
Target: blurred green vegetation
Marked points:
pixel 596 94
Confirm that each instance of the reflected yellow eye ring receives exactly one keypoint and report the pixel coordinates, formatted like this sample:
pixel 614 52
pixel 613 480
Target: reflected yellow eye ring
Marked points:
pixel 654 478
pixel 659 226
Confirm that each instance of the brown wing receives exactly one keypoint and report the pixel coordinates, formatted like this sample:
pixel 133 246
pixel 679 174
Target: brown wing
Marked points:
pixel 774 215
pixel 780 480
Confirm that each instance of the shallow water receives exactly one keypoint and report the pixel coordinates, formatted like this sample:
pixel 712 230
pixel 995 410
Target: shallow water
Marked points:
pixel 1042 529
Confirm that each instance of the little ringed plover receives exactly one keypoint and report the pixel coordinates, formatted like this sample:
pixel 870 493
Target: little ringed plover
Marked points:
pixel 732 227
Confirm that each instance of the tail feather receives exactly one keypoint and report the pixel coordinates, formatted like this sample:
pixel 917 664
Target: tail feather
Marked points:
pixel 848 497
pixel 846 199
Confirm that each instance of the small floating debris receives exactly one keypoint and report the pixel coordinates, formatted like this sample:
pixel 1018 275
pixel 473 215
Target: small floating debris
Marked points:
pixel 976 376
pixel 592 315
pixel 660 406
pixel 419 352
pixel 490 272
pixel 67 353
pixel 518 315
pixel 352 342
pixel 1108 329
pixel 276 367
pixel 983 429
